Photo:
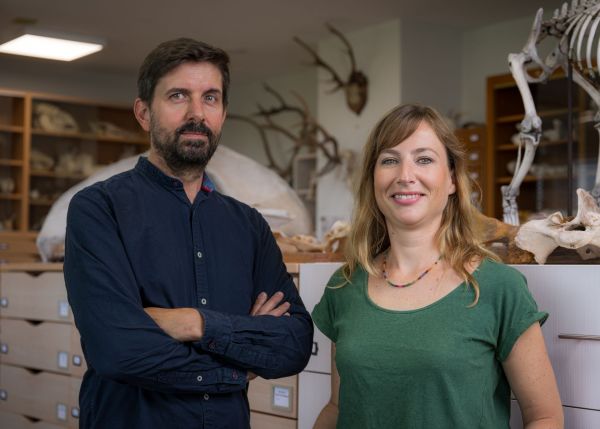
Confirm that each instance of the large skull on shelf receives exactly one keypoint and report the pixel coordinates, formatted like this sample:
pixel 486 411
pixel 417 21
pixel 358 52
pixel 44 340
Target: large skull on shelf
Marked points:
pixel 541 237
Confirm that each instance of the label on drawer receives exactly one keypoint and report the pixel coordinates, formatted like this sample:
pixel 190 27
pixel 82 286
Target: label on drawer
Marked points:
pixel 63 360
pixel 282 397
pixel 61 412
pixel 63 309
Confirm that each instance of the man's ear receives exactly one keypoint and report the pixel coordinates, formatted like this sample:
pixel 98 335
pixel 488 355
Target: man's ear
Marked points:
pixel 141 110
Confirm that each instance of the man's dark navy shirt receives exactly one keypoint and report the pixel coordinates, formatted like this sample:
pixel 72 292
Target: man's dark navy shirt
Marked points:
pixel 136 241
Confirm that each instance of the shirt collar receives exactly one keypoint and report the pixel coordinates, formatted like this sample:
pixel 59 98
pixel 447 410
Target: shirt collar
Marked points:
pixel 153 172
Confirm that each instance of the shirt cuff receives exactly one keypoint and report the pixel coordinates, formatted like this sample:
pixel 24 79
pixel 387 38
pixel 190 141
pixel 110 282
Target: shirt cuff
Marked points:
pixel 217 332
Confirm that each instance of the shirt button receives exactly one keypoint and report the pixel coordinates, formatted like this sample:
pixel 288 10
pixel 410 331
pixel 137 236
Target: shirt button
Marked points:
pixel 206 397
pixel 203 301
pixel 199 378
pixel 199 255
pixel 235 375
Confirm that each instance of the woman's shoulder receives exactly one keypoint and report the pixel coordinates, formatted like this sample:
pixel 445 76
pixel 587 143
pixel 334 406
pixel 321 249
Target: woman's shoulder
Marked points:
pixel 497 276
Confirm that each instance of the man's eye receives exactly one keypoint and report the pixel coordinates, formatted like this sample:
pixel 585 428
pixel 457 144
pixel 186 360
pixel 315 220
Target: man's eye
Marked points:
pixel 211 98
pixel 177 96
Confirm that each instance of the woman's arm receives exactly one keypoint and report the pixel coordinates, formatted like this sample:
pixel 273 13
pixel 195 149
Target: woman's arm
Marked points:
pixel 532 380
pixel 329 414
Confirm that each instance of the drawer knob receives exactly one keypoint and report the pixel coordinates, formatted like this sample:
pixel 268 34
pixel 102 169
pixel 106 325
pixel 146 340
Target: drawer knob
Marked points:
pixel 76 360
pixel 579 337
pixel 3 394
pixel 75 412
pixel 4 348
pixel 4 302
pixel 315 348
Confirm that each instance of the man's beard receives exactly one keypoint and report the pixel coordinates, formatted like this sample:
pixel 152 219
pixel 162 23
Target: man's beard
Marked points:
pixel 188 155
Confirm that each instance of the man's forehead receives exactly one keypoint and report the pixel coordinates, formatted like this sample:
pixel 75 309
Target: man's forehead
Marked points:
pixel 193 72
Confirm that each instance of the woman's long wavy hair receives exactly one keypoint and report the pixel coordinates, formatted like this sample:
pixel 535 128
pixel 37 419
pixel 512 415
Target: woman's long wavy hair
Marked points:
pixel 369 236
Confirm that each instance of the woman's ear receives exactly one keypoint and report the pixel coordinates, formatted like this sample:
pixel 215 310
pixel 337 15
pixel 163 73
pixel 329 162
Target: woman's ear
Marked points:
pixel 141 110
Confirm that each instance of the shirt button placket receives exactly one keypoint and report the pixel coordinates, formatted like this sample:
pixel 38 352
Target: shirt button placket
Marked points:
pixel 206 397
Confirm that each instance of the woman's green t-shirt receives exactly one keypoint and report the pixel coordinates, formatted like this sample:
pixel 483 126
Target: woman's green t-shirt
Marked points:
pixel 435 367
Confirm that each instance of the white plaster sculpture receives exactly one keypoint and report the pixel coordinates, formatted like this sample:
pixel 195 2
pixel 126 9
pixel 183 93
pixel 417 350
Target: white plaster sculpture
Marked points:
pixel 541 237
pixel 40 161
pixel 576 28
pixel 49 117
pixel 108 129
pixel 233 174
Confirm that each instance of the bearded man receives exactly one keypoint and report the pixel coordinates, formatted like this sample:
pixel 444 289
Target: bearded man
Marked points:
pixel 179 292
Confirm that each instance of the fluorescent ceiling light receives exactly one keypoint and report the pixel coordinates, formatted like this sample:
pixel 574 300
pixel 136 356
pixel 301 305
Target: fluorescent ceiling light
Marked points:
pixel 53 46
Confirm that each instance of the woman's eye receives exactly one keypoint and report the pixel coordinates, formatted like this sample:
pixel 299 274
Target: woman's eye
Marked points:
pixel 424 160
pixel 388 161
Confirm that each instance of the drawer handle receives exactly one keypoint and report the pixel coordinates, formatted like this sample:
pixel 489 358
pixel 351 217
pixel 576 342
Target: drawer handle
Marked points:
pixel 3 395
pixel 4 348
pixel 3 302
pixel 579 337
pixel 315 349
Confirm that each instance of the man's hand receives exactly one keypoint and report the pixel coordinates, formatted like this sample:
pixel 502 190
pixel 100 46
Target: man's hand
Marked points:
pixel 272 306
pixel 183 324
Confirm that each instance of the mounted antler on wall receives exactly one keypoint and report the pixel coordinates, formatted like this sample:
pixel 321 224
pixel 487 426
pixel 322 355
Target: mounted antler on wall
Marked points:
pixel 310 135
pixel 355 86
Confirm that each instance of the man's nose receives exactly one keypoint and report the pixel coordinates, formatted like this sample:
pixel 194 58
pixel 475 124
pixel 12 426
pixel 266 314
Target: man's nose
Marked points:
pixel 195 110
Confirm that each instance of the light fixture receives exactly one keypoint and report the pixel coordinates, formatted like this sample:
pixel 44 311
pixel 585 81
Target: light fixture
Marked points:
pixel 33 42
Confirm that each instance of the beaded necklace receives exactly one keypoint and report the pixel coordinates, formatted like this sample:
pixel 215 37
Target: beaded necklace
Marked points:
pixel 423 274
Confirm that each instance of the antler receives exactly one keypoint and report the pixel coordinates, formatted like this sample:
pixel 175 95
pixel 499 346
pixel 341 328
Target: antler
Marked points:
pixel 311 134
pixel 317 61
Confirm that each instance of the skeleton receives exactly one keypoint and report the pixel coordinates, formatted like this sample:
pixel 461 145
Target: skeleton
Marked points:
pixel 576 28
pixel 582 233
pixel 355 86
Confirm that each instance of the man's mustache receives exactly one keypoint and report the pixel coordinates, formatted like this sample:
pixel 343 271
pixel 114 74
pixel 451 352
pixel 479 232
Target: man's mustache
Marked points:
pixel 195 127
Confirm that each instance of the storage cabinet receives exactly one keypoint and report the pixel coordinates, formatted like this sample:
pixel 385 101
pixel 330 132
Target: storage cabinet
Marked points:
pixel 49 143
pixel 474 139
pixel 571 293
pixel 546 184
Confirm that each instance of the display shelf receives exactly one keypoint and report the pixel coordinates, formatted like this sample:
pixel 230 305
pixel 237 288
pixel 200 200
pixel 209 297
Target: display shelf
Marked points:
pixel 48 143
pixel 505 111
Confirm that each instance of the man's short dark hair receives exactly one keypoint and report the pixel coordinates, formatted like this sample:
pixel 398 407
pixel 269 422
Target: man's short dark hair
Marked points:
pixel 168 55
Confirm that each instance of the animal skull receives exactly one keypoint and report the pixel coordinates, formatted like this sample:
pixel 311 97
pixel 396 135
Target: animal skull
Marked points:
pixel 541 237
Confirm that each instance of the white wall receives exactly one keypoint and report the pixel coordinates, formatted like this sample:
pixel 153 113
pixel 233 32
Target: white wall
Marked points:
pixel 58 78
pixel 484 53
pixel 377 52
pixel 431 66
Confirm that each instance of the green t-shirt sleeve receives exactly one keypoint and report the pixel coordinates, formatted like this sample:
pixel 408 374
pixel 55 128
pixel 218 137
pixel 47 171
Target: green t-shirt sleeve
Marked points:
pixel 323 314
pixel 517 311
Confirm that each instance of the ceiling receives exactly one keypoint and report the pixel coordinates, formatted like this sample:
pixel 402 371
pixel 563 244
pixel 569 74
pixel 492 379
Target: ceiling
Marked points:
pixel 257 34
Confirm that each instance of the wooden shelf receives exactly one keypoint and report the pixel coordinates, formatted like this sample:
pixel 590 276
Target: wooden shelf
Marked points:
pixel 542 114
pixel 11 128
pixel 90 136
pixel 56 175
pixel 22 137
pixel 5 162
pixel 510 146
pixel 10 196
pixel 505 180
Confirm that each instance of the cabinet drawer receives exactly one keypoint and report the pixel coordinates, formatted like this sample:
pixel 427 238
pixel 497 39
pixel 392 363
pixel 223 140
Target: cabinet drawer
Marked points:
pixel 45 346
pixel 16 421
pixel 18 248
pixel 313 279
pixel 278 396
pixel 314 392
pixel 265 421
pixel 570 293
pixel 42 297
pixel 45 396
pixel 581 419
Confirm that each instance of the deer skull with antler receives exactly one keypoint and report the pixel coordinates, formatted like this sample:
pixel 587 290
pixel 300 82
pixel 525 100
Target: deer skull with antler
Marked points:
pixel 355 86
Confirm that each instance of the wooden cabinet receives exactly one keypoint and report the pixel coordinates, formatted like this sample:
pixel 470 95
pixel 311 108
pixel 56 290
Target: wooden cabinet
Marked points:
pixel 49 143
pixel 570 293
pixel 474 139
pixel 546 184
pixel 41 362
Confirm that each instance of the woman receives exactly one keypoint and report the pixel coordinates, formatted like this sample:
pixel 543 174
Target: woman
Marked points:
pixel 430 331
